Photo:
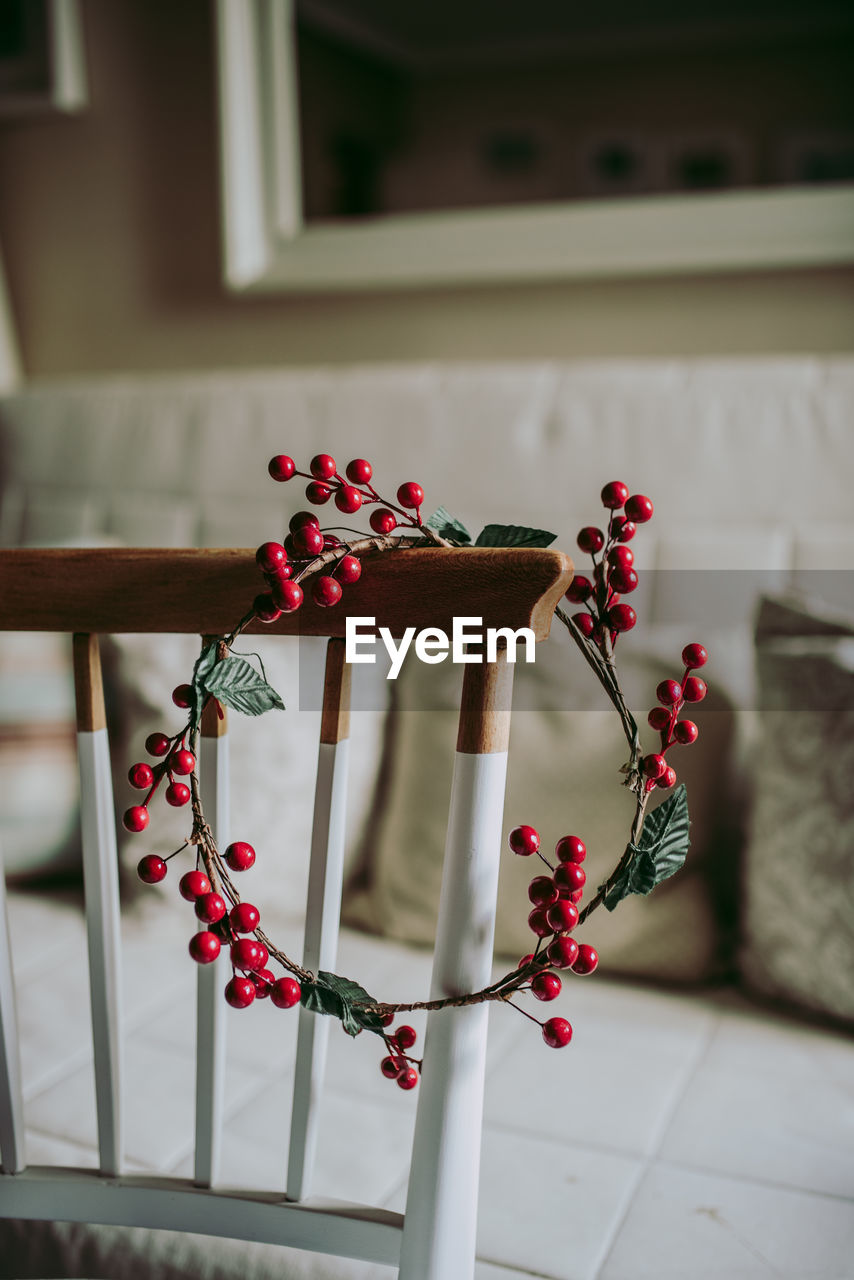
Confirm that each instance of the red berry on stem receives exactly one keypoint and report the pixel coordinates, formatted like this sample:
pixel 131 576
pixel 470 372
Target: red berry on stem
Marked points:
pixel 151 869
pixel 562 951
pixel 621 617
pixel 140 775
pixel 623 580
pixel 686 732
pixel 621 558
pixel 390 1067
pixel 285 993
pixel 263 980
pixel 318 492
pixel 579 590
pixel 281 467
pixel 326 591
pixel 538 922
pixel 210 907
pixel 576 896
pixel 288 596
pixel 591 539
pixel 177 794
pixel 322 466
pixel 546 986
pixel 653 766
pixel 667 779
pixel 542 891
pixel 265 609
pixel 382 520
pixel 349 570
pixel 524 840
pixel 193 885
pixel 246 954
pixel 270 555
pixel 300 519
pixel 562 916
pixel 157 744
pixel 204 946
pixel 240 856
pixel 240 992
pixel 405 1037
pixel 570 849
pixel 639 508
pixel 244 917
pixel 182 761
pixel 586 960
pixel 359 471
pixel 525 960
pixel 348 499
pixel 627 530
pixel 182 695
pixel 694 655
pixel 669 692
pixel 135 818
pixel 570 876
pixel 614 494
pixel 410 494
pixel 658 718
pixel 585 623
pixel 308 541
pixel 695 689
pixel 265 955
pixel 557 1033
pixel 408 1078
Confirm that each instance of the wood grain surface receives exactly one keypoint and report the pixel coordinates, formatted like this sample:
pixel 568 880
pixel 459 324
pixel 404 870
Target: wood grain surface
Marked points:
pixel 88 685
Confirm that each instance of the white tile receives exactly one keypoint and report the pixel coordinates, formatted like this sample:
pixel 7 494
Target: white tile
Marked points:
pixel 772 1101
pixel 683 1224
pixel 614 1086
pixel 550 1208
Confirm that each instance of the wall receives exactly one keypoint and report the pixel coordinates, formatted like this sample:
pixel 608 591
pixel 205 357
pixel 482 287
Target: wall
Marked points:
pixel 109 228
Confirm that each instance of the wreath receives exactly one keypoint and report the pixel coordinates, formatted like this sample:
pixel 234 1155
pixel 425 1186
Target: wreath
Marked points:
pixel 658 840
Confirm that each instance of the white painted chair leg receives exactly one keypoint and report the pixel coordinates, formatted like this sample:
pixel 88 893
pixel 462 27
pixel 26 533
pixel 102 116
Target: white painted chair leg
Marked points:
pixel 12 1155
pixel 212 978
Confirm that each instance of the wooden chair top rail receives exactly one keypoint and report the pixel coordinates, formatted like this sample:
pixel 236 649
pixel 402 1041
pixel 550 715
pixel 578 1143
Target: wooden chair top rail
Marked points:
pixel 112 590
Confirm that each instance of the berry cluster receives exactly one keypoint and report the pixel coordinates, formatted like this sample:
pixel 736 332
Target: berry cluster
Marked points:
pixel 397 1064
pixel 285 563
pixel 672 696
pixel 172 759
pixel 613 574
pixel 554 916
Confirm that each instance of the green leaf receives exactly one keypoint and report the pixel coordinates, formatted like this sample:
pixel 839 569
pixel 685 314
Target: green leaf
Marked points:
pixel 448 526
pixel 204 664
pixel 660 852
pixel 513 535
pixel 237 684
pixel 336 996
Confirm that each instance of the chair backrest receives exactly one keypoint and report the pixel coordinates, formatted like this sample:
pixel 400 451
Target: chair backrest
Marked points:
pixel 90 592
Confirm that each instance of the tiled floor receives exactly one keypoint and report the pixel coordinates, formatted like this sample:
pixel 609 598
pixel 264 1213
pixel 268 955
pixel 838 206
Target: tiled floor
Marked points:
pixel 677 1137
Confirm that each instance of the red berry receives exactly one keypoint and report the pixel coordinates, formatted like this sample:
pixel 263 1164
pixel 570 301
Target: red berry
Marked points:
pixel 538 922
pixel 270 555
pixel 546 986
pixel 263 980
pixel 330 541
pixel 639 508
pixel 658 718
pixel 265 609
pixel 579 590
pixel 193 885
pixel 621 617
pixel 265 955
pixel 410 494
pixel 182 695
pixel 542 891
pixel 524 840
pixel 627 530
pixel 569 876
pixel 157 744
pixel 695 689
pixel 382 520
pixel 653 766
pixel 308 541
pixel 210 907
pixel 359 471
pixel 525 960
pixel 317 492
pixel 405 1037
pixel 623 580
pixel 591 539
pixel 348 499
pixel 557 1033
pixel 614 494
pixel 281 467
pixel 694 655
pixel 240 856
pixel 140 776
pixel 177 794
pixel 571 849
pixel 586 960
pixel 667 779
pixel 584 622
pixel 246 954
pixel 151 869
pixel 204 946
pixel 322 466
pixel 621 558
pixel 326 591
pixel 244 917
pixel 390 1067
pixel 576 896
pixel 408 1078
pixel 686 732
pixel 385 1019
pixel 285 993
pixel 669 692
pixel 349 570
pixel 288 596
pixel 135 818
pixel 562 951
pixel 182 761
pixel 562 916
pixel 301 519
pixel 240 992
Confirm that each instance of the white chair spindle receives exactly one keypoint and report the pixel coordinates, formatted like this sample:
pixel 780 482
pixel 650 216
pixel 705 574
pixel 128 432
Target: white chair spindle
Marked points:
pixel 101 879
pixel 12 1157
pixel 323 910
pixel 212 978
pixel 441 1209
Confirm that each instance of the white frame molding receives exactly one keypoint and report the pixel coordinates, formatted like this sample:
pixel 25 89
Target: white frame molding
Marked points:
pixel 267 248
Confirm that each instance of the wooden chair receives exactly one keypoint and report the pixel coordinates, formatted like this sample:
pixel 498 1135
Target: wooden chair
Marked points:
pixel 87 592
